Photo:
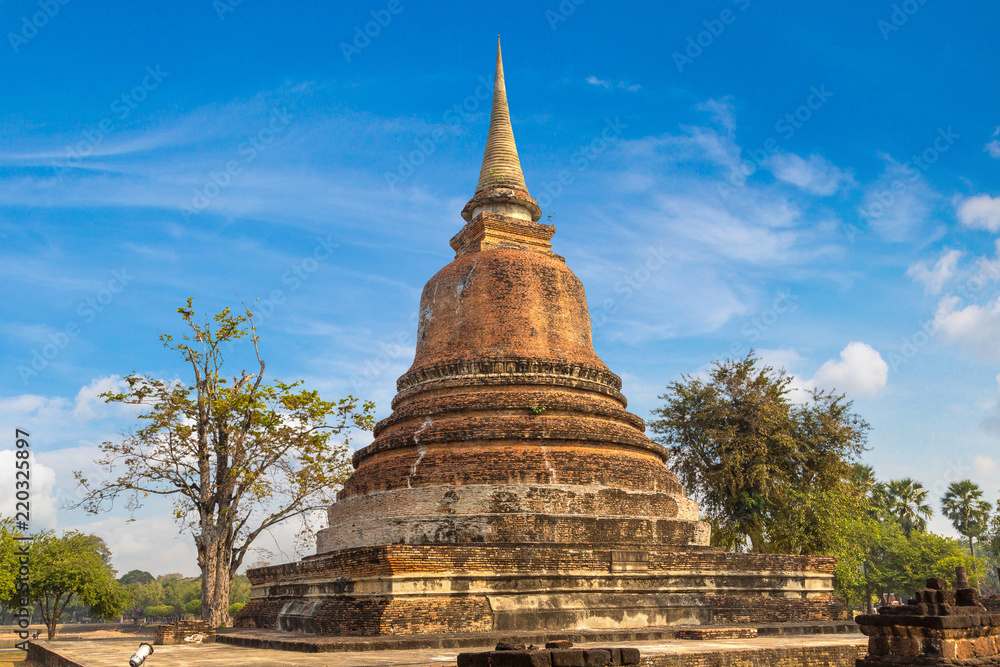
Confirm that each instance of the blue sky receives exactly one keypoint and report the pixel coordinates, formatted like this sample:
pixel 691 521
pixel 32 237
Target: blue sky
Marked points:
pixel 815 181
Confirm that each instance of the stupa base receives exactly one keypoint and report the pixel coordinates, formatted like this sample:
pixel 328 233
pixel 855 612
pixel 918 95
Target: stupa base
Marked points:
pixel 417 589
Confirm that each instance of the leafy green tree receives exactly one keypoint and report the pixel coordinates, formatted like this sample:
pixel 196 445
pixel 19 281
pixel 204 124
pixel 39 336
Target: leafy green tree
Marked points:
pixel 964 506
pixel 757 461
pixel 990 543
pixel 240 592
pixel 159 611
pixel 907 502
pixel 144 595
pixel 135 577
pixel 895 563
pixel 9 546
pixel 71 565
pixel 237 457
pixel 236 607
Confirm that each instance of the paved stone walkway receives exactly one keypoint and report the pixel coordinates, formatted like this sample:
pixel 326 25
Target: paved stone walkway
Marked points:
pixel 116 652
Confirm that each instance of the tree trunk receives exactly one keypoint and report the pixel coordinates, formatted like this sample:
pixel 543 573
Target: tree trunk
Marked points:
pixel 215 584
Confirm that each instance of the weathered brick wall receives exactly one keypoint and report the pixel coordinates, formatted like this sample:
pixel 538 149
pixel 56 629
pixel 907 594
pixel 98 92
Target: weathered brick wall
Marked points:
pixel 512 499
pixel 181 631
pixel 381 616
pixel 401 559
pixel 744 609
pixel 504 303
pixel 512 528
pixel 718 587
pixel 513 398
pixel 477 461
pixel 712 561
pixel 796 656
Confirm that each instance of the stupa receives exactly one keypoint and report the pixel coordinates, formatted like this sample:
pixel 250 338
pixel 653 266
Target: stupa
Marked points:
pixel 511 489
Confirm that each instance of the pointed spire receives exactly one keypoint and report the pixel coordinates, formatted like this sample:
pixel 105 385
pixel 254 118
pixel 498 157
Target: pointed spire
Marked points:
pixel 501 187
pixel 501 166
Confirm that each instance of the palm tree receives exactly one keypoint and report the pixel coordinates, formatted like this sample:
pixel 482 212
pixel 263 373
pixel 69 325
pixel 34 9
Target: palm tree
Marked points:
pixel 963 504
pixel 907 501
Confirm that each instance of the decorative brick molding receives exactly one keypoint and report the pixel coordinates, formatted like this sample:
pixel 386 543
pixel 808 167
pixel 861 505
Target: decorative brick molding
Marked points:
pixel 514 370
pixel 489 230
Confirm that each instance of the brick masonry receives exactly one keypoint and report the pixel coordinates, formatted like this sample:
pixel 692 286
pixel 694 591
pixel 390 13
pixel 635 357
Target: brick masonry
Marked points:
pixel 804 656
pixel 183 632
pixel 938 626
pixel 404 589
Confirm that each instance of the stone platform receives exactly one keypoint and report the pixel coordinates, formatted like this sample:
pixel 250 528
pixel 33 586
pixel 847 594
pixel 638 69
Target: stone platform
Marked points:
pixel 816 650
pixel 273 639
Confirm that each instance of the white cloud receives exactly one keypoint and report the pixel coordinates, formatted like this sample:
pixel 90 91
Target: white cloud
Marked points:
pixel 152 544
pixel 976 326
pixel 814 174
pixel 860 370
pixel 43 497
pixel 980 212
pixel 993 147
pixel 985 466
pixel 88 404
pixel 934 279
pixel 32 411
pixel 621 85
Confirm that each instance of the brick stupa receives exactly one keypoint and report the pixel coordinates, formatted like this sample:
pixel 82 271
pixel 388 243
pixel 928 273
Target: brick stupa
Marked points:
pixel 510 489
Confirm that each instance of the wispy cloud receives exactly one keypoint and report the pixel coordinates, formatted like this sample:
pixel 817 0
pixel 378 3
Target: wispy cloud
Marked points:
pixel 815 174
pixel 993 146
pixel 935 278
pixel 899 204
pixel 609 85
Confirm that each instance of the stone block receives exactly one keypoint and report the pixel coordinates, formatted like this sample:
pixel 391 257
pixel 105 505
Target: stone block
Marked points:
pixel 878 646
pixel 519 659
pixel 630 656
pixel 559 643
pixel 473 660
pixel 567 657
pixel 596 658
pixel 983 647
pixel 964 649
pixel 616 655
pixel 967 597
pixel 905 646
pixel 510 646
